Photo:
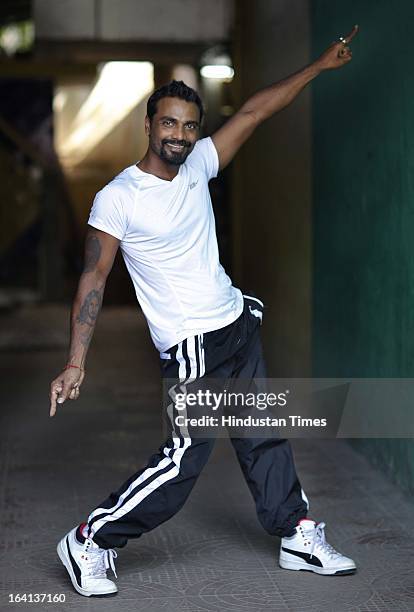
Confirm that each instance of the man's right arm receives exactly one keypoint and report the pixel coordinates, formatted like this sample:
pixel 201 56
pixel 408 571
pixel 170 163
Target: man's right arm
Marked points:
pixel 100 251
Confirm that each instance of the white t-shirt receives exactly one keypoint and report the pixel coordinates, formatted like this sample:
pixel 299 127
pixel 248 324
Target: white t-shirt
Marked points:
pixel 169 244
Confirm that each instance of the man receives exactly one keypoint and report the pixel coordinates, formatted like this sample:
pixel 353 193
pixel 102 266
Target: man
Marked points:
pixel 159 212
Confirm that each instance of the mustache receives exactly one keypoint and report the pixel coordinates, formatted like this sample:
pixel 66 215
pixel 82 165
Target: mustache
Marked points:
pixel 180 143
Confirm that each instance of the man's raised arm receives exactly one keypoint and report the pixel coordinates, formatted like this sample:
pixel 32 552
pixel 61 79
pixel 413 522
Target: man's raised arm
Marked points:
pixel 100 251
pixel 265 103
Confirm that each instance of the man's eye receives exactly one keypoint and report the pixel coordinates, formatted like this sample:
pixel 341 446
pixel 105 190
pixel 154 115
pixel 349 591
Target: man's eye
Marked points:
pixel 191 126
pixel 167 122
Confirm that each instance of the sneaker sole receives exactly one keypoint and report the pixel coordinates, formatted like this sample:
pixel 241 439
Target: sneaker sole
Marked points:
pixel 61 551
pixel 298 566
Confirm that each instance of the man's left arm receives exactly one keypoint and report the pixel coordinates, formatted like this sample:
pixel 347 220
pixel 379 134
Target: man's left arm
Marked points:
pixel 265 103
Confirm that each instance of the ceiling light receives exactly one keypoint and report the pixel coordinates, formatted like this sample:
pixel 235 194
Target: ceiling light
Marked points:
pixel 217 71
pixel 216 64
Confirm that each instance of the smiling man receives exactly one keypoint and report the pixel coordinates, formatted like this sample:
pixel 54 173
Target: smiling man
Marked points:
pixel 159 213
pixel 172 118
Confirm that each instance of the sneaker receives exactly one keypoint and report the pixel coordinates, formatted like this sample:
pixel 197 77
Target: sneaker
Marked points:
pixel 308 550
pixel 87 564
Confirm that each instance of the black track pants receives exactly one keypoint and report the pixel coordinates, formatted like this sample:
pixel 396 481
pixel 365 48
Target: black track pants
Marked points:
pixel 155 493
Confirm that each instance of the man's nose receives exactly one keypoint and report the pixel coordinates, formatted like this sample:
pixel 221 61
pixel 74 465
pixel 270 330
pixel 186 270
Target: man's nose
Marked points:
pixel 179 132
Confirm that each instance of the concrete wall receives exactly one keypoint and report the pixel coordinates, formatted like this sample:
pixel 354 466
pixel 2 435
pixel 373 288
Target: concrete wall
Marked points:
pixel 272 190
pixel 363 129
pixel 121 20
pixel 99 151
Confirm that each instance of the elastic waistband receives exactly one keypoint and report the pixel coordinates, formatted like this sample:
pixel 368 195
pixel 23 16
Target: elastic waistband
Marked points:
pixel 255 299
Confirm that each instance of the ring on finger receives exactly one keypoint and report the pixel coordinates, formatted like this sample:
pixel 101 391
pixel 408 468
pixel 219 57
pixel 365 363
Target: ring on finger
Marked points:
pixel 343 40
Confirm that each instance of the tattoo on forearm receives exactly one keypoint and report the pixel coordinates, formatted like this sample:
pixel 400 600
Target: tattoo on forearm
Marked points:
pixel 92 252
pixel 88 313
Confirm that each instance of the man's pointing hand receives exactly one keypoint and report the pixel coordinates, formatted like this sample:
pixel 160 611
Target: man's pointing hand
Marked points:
pixel 65 386
pixel 338 53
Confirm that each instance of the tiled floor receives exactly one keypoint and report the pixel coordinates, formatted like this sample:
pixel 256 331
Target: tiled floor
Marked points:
pixel 213 555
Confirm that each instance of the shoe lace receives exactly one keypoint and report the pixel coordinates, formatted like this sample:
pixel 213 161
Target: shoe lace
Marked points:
pixel 99 560
pixel 320 541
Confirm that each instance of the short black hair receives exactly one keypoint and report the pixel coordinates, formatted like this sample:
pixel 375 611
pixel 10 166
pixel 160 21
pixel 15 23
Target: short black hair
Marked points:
pixel 174 89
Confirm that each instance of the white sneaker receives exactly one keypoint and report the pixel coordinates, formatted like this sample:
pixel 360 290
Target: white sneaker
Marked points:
pixel 87 564
pixel 308 550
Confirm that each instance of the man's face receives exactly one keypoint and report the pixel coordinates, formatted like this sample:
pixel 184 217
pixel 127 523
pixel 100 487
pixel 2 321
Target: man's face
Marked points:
pixel 174 130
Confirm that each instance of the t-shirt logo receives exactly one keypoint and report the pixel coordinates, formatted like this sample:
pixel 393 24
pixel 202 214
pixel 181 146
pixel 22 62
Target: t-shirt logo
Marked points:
pixel 192 185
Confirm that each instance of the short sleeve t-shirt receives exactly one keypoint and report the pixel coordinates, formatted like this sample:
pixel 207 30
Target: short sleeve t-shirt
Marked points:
pixel 168 241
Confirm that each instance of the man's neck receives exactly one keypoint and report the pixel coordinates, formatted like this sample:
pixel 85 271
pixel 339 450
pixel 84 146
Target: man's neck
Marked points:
pixel 154 165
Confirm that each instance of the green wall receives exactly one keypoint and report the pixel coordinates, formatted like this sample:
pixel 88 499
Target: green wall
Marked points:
pixel 363 206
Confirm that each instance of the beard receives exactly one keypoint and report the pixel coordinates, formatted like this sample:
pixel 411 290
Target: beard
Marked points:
pixel 175 158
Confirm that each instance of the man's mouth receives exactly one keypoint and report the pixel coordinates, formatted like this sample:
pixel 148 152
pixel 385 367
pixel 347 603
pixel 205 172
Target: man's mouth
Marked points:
pixel 175 147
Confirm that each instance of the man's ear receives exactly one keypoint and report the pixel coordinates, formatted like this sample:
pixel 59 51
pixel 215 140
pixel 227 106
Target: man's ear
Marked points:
pixel 147 125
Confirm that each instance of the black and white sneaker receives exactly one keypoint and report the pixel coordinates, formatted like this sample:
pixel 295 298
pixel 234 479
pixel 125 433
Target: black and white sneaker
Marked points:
pixel 86 564
pixel 308 550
